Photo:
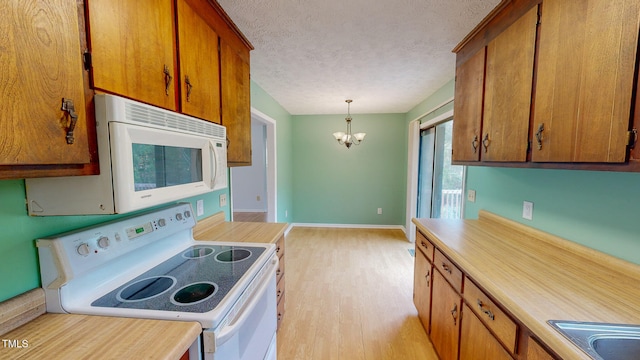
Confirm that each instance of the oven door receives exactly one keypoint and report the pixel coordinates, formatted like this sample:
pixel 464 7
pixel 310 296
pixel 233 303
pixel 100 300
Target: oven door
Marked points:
pixel 251 335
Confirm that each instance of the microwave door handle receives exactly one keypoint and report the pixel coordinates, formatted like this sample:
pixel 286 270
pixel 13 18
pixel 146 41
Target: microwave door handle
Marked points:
pixel 214 161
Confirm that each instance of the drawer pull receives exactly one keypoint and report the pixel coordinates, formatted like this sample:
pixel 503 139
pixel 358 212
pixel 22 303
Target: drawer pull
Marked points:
pixel 424 245
pixel 454 314
pixel 485 311
pixel 278 272
pixel 446 268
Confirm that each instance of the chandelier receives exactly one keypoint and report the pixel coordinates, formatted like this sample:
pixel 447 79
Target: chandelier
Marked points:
pixel 347 139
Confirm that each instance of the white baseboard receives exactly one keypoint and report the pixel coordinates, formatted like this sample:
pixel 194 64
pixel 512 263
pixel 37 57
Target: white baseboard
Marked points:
pixel 250 210
pixel 350 226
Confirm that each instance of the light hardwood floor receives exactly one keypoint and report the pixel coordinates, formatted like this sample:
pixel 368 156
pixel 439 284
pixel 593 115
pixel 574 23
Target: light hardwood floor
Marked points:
pixel 250 216
pixel 349 295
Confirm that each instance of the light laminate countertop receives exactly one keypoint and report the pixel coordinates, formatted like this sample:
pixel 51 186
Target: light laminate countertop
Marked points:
pixel 66 336
pixel 538 277
pixel 214 228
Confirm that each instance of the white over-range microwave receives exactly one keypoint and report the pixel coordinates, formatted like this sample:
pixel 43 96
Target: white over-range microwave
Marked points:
pixel 148 156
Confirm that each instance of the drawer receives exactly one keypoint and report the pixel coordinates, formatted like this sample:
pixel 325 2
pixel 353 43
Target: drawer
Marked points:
pixel 448 270
pixel 280 247
pixel 280 270
pixel 491 315
pixel 425 245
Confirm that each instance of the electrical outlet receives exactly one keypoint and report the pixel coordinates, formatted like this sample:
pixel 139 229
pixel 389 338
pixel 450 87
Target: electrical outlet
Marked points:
pixel 258 198
pixel 527 210
pixel 223 200
pixel 471 195
pixel 379 211
pixel 199 207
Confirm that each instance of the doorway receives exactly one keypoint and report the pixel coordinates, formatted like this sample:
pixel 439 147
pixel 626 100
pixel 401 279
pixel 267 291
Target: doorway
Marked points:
pixel 253 188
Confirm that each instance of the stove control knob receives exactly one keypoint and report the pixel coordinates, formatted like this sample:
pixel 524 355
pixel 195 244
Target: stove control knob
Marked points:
pixel 103 242
pixel 83 249
pixel 187 214
pixel 162 222
pixel 178 216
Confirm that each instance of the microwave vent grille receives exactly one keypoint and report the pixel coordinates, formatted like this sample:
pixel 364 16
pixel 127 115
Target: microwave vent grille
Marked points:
pixel 142 114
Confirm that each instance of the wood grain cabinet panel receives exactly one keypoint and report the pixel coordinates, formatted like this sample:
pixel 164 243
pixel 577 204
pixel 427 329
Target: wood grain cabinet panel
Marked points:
pixel 468 105
pixel 133 49
pixel 446 307
pixel 41 62
pixel 425 246
pixel 449 270
pixel 422 280
pixel 491 315
pixel 236 102
pixel 535 351
pixel 476 342
pixel 585 80
pixel 199 65
pixel 508 86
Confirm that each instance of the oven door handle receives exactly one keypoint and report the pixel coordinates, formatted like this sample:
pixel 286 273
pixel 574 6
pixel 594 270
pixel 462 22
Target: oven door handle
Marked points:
pixel 230 329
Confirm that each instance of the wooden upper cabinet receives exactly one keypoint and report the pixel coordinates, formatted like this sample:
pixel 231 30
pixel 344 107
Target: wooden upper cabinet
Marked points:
pixel 199 65
pixel 585 80
pixel 41 60
pixel 236 102
pixel 508 85
pixel 467 124
pixel 133 49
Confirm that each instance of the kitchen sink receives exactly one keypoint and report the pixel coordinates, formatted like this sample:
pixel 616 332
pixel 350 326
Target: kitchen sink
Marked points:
pixel 602 341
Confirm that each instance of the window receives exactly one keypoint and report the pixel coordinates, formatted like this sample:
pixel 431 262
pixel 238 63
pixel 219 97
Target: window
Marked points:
pixel 440 184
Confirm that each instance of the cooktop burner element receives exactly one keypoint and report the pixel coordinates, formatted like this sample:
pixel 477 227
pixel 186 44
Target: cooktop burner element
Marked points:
pixel 198 252
pixel 233 255
pixel 202 280
pixel 146 288
pixel 194 293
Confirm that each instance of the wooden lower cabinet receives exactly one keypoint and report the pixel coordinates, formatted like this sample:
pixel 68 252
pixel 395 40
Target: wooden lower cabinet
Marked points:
pixel 446 307
pixel 476 342
pixel 422 287
pixel 280 279
pixel 535 351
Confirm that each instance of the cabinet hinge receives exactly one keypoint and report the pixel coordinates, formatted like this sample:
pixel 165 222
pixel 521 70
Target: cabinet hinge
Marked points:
pixel 632 138
pixel 86 60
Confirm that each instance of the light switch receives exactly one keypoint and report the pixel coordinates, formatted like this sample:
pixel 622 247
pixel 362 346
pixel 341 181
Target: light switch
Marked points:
pixel 527 210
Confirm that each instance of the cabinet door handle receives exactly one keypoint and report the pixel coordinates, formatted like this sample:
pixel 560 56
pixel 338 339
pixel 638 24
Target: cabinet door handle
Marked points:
pixel 69 108
pixel 486 142
pixel 446 268
pixel 454 314
pixel 485 311
pixel 474 144
pixel 427 277
pixel 167 79
pixel 189 86
pixel 539 136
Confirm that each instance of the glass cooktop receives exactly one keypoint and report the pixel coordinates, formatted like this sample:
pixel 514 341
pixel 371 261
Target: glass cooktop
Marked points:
pixel 195 280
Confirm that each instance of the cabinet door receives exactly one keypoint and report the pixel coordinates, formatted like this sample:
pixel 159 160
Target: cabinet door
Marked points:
pixel 476 342
pixel 41 64
pixel 585 78
pixel 236 102
pixel 445 318
pixel 199 65
pixel 536 352
pixel 508 83
pixel 467 114
pixel 422 288
pixel 132 48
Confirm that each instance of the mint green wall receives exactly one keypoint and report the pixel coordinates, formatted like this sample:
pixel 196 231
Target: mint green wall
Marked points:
pixel 596 209
pixel 18 231
pixel 264 103
pixel 336 185
pixel 443 94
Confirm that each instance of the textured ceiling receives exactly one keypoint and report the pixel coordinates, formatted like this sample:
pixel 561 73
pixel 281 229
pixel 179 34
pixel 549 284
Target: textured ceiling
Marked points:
pixel 386 55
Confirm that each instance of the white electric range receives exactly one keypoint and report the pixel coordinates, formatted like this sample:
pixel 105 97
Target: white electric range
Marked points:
pixel 149 266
